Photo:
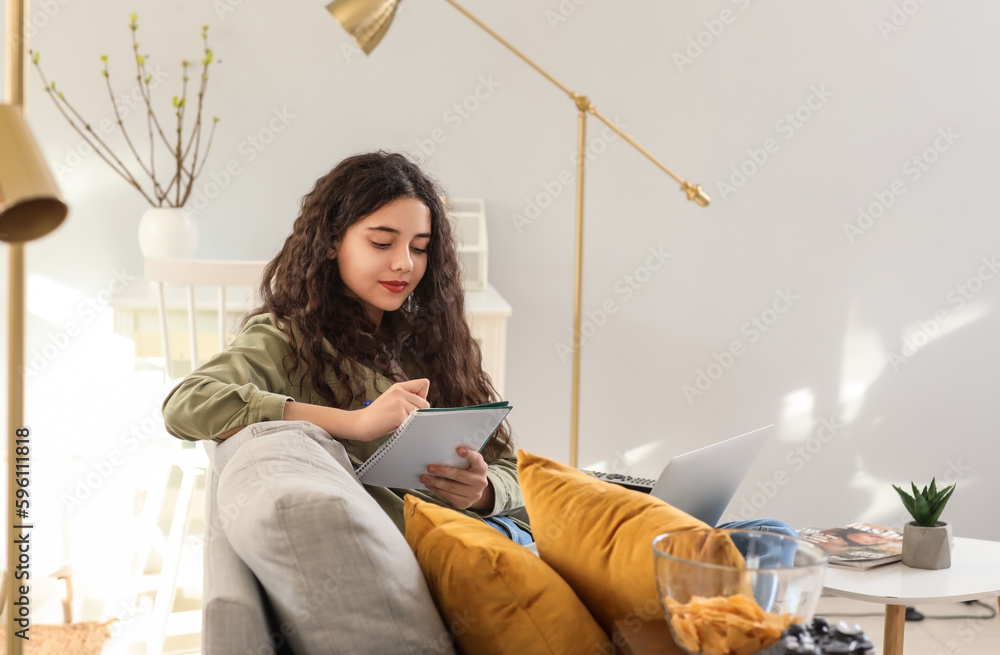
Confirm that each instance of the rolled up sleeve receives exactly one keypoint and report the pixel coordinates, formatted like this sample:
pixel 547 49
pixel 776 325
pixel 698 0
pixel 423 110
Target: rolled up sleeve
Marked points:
pixel 506 488
pixel 502 473
pixel 244 384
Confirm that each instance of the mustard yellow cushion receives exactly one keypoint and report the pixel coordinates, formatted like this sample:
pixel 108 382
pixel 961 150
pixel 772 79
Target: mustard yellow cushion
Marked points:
pixel 496 597
pixel 598 537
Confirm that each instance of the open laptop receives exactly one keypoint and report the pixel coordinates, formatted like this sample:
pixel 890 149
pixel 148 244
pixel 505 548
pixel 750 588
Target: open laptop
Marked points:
pixel 701 482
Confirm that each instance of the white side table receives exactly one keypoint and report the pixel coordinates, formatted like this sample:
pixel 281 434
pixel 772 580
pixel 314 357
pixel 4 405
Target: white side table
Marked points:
pixel 974 573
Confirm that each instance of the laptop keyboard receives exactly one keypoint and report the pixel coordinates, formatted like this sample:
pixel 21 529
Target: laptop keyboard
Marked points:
pixel 637 484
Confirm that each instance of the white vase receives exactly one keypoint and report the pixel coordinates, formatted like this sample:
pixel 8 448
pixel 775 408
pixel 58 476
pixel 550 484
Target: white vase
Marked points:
pixel 168 233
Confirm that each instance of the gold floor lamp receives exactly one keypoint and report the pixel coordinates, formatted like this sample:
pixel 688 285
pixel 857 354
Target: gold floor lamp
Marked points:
pixel 30 208
pixel 367 21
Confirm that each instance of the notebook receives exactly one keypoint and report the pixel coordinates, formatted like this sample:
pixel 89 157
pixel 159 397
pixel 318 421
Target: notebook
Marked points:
pixel 703 482
pixel 431 436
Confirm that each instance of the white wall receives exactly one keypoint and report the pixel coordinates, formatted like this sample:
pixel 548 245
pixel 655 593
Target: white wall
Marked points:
pixel 878 98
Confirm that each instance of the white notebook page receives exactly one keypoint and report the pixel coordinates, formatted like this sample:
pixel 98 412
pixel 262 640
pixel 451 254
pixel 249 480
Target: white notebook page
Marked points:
pixel 429 437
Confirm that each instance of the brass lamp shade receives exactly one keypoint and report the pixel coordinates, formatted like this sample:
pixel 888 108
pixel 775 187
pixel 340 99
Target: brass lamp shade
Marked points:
pixel 30 206
pixel 366 21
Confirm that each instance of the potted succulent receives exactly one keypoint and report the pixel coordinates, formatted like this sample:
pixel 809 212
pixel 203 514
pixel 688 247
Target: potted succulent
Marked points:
pixel 926 540
pixel 167 229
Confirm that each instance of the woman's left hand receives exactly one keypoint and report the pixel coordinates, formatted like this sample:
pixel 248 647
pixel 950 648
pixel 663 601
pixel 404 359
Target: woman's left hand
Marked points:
pixel 463 488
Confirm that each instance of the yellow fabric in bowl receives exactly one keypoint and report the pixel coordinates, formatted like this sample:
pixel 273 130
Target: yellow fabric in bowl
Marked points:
pixel 496 597
pixel 598 537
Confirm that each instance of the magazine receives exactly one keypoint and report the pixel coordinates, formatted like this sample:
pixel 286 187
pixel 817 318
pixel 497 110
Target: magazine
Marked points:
pixel 858 545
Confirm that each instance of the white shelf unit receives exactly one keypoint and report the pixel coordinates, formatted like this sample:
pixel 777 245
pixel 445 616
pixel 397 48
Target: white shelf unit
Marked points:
pixel 468 219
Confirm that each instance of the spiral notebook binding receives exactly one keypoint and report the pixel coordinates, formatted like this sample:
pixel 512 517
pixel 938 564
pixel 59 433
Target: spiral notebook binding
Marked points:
pixel 386 447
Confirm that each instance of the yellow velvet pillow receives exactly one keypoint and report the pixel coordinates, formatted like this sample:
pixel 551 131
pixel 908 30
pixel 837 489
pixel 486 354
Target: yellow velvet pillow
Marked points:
pixel 496 597
pixel 598 537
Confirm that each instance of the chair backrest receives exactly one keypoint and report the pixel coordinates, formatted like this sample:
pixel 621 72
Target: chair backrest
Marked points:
pixel 193 273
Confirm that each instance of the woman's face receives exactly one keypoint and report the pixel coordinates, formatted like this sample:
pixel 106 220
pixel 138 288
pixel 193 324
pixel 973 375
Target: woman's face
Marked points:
pixel 383 256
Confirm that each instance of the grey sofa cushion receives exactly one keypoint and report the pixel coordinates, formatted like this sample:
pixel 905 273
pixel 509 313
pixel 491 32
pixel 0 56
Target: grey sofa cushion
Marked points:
pixel 337 572
pixel 235 616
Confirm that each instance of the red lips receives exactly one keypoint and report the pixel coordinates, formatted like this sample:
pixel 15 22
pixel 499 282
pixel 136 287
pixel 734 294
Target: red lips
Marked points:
pixel 395 286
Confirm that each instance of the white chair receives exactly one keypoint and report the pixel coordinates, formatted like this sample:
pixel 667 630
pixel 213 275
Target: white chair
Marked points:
pixel 191 461
pixel 192 273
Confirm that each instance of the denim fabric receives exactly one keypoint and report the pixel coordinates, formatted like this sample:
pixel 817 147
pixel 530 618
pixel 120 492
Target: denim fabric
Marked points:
pixel 505 526
pixel 767 525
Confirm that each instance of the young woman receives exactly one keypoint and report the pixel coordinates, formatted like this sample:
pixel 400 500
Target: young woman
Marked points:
pixel 362 320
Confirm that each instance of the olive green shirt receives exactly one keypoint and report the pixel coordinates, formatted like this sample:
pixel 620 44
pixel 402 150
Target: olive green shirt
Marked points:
pixel 247 383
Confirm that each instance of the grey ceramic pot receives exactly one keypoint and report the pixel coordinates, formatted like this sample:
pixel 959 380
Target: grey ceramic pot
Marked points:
pixel 927 548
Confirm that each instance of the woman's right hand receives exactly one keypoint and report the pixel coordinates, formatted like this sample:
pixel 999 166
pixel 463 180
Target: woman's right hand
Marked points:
pixel 388 411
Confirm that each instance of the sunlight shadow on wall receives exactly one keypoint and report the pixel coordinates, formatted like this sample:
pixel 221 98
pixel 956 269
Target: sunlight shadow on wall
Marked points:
pixel 920 334
pixel 862 363
pixel 623 461
pixel 797 416
pixel 883 507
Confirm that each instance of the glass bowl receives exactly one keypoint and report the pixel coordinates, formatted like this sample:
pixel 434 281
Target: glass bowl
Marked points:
pixel 733 592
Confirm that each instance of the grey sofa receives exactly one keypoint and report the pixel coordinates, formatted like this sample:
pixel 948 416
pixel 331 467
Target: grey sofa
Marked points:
pixel 333 573
pixel 236 617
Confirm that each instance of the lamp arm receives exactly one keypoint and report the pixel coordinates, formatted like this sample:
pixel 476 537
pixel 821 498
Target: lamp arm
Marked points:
pixel 604 119
pixel 694 192
pixel 507 45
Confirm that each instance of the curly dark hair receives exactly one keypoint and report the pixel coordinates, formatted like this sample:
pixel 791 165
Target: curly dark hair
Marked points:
pixel 303 290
